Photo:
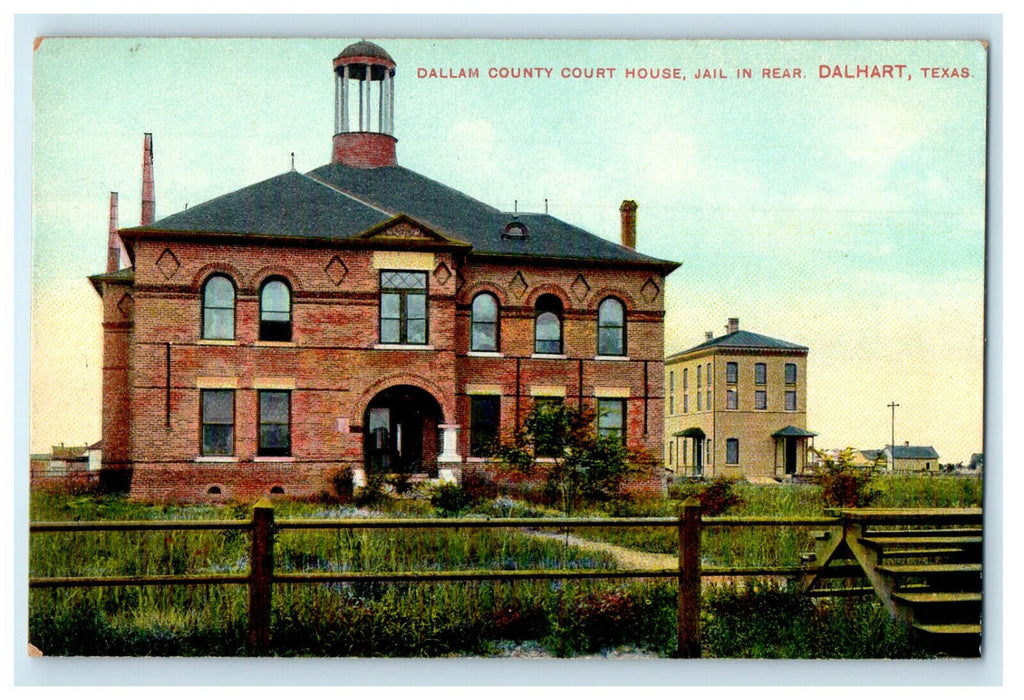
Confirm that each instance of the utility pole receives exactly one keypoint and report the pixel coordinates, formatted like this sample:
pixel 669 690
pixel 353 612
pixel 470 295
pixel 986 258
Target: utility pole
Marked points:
pixel 893 405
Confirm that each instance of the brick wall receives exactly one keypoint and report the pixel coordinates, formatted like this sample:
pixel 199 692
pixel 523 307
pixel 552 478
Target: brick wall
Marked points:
pixel 333 365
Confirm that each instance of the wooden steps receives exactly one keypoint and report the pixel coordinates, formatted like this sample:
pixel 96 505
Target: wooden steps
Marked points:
pixel 924 565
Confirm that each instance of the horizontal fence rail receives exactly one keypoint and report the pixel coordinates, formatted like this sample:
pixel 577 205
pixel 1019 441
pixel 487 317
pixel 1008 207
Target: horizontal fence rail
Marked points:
pixel 262 577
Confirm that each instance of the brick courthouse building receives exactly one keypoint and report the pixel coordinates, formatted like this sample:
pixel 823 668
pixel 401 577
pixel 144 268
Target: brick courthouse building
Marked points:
pixel 362 316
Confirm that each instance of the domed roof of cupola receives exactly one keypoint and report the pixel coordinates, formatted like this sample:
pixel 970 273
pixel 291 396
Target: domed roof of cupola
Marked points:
pixel 365 49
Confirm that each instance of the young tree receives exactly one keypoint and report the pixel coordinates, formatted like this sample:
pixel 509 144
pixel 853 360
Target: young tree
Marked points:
pixel 564 441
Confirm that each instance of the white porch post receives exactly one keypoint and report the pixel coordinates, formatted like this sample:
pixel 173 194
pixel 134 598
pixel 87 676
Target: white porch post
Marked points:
pixel 449 459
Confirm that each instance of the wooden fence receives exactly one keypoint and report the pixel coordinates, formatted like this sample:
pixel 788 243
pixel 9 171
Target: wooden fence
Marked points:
pixel 262 576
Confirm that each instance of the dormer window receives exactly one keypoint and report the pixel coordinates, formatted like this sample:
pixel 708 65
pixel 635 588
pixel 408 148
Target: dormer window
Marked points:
pixel 515 231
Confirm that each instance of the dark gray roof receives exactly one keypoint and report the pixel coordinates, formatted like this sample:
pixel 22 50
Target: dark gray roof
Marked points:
pixel 289 205
pixel 793 431
pixel 743 339
pixel 914 451
pixel 365 48
pixel 457 215
pixel 337 202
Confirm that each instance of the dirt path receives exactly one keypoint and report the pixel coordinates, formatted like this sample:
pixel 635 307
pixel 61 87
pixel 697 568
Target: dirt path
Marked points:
pixel 624 558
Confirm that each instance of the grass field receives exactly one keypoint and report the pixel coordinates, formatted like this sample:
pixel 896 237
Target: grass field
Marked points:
pixel 764 620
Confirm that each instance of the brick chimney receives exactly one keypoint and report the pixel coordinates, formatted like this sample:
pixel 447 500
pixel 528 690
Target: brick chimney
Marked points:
pixel 113 240
pixel 734 325
pixel 628 212
pixel 148 198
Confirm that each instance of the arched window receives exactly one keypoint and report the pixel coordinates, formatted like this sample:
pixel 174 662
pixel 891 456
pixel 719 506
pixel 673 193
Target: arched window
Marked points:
pixel 484 324
pixel 611 327
pixel 219 309
pixel 548 326
pixel 275 311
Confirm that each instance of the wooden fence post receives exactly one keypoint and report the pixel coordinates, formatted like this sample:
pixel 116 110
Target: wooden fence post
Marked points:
pixel 261 571
pixel 688 624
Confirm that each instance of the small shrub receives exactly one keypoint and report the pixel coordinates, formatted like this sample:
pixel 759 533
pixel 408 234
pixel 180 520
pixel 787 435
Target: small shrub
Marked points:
pixel 401 483
pixel 450 499
pixel 372 494
pixel 341 483
pixel 842 484
pixel 715 496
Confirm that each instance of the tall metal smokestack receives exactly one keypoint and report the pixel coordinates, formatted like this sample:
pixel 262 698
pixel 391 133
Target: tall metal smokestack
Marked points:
pixel 148 198
pixel 628 212
pixel 113 240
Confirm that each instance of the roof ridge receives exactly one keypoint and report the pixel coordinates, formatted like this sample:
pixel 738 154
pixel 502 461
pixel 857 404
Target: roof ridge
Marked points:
pixel 348 194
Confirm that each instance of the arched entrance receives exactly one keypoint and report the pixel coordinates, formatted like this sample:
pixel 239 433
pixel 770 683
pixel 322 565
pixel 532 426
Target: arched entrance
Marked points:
pixel 401 432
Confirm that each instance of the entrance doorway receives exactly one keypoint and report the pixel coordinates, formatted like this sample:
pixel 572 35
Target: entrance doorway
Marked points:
pixel 400 433
pixel 791 443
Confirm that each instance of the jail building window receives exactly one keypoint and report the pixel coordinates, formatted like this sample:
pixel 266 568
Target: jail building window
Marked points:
pixel 731 400
pixel 732 451
pixel 761 400
pixel 790 373
pixel 760 373
pixel 731 372
pixel 790 400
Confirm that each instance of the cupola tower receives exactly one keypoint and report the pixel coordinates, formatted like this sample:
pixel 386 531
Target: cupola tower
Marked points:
pixel 364 100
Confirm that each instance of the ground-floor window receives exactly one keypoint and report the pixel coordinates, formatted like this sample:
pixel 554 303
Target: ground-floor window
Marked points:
pixel 275 424
pixel 218 420
pixel 732 451
pixel 484 416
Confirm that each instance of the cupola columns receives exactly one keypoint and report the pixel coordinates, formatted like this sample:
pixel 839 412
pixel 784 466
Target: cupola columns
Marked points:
pixel 364 107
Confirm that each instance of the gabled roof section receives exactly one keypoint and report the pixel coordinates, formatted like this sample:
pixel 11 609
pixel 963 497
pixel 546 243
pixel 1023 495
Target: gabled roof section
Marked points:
pixel 744 340
pixel 291 205
pixel 406 232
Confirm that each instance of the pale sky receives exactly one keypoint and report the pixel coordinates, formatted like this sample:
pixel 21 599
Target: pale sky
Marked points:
pixel 846 215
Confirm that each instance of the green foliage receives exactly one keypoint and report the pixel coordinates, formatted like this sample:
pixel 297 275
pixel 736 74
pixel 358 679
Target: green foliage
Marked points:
pixel 372 494
pixel 773 621
pixel 716 496
pixel 843 484
pixel 450 499
pixel 563 442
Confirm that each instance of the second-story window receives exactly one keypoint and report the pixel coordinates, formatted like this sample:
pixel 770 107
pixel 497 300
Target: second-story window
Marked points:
pixel 218 309
pixel 275 311
pixel 790 373
pixel 548 326
pixel 403 308
pixel 731 372
pixel 611 327
pixel 760 373
pixel 484 324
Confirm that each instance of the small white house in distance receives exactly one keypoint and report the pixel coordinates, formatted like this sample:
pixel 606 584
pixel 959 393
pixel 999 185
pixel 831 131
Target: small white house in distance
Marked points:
pixel 911 458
